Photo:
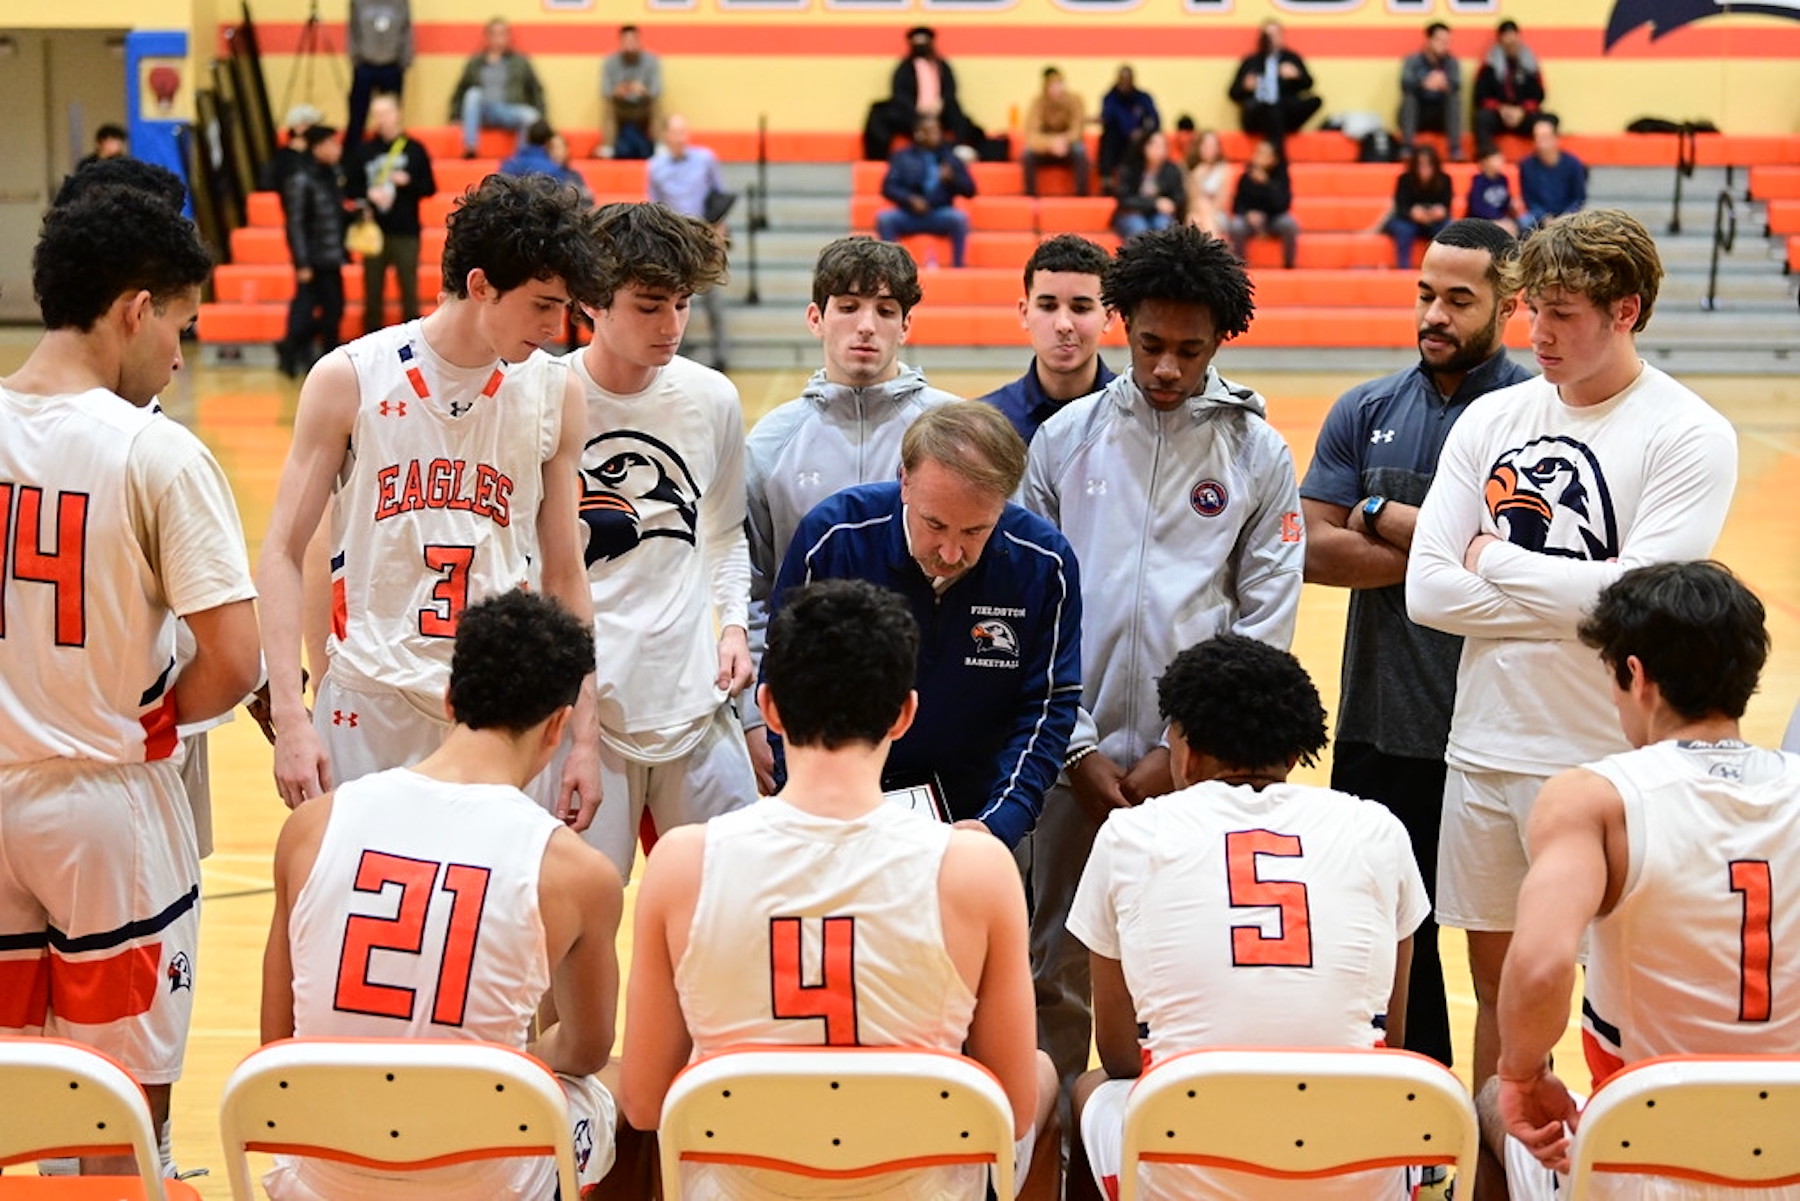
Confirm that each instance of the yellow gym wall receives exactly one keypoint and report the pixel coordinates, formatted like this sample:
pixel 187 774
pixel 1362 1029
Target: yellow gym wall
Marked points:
pixel 815 66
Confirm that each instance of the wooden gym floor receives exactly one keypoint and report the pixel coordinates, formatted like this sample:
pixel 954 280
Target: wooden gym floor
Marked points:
pixel 245 414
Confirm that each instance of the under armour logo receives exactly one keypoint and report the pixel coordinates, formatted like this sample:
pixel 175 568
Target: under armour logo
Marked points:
pixel 807 479
pixel 459 407
pixel 341 718
pixel 1382 436
pixel 393 408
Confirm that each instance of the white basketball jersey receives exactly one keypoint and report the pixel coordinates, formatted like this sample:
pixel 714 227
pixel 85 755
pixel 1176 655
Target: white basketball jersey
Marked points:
pixel 436 507
pixel 420 917
pixel 1246 917
pixel 1695 957
pixel 816 931
pixel 87 642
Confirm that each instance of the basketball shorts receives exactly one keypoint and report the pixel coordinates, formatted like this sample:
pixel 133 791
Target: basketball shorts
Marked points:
pixel 364 732
pixel 593 1121
pixel 712 778
pixel 1481 848
pixel 1103 1136
pixel 100 909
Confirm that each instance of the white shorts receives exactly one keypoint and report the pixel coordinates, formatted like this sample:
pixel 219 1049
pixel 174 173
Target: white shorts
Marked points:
pixel 366 732
pixel 593 1123
pixel 1481 848
pixel 100 909
pixel 713 778
pixel 1103 1137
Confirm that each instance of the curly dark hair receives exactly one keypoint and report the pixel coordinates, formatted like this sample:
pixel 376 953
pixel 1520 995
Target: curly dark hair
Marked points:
pixel 1184 265
pixel 1066 252
pixel 1243 702
pixel 519 657
pixel 521 228
pixel 1699 633
pixel 840 661
pixel 123 173
pixel 859 266
pixel 654 246
pixel 110 243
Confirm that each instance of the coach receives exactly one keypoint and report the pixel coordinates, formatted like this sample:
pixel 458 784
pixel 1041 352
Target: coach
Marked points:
pixel 998 601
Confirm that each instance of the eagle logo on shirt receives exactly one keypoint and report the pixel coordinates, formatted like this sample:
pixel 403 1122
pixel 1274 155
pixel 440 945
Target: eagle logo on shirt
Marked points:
pixel 1550 496
pixel 180 972
pixel 584 1144
pixel 634 486
pixel 995 637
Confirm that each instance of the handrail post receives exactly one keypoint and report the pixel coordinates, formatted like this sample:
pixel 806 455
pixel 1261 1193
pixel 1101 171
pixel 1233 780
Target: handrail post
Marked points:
pixel 1684 166
pixel 756 218
pixel 1724 237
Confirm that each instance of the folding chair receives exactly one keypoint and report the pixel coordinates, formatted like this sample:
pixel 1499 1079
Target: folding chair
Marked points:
pixel 393 1105
pixel 1297 1114
pixel 1728 1120
pixel 837 1114
pixel 60 1099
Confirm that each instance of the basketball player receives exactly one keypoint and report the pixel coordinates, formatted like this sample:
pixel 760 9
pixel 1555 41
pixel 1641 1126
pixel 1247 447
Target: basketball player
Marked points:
pixel 115 521
pixel 1546 492
pixel 844 429
pixel 504 904
pixel 1062 313
pixel 662 509
pixel 1179 499
pixel 1678 852
pixel 934 954
pixel 1241 910
pixel 449 450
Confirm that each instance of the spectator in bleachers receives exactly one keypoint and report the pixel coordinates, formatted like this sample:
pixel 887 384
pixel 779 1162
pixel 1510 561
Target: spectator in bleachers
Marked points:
pixel 110 141
pixel 1431 95
pixel 1053 132
pixel 923 85
pixel 546 153
pixel 630 86
pixel 1208 172
pixel 923 182
pixel 1271 86
pixel 291 154
pixel 390 173
pixel 1509 89
pixel 1260 205
pixel 1421 203
pixel 1490 194
pixel 1063 313
pixel 1152 190
pixel 312 202
pixel 1127 117
pixel 686 178
pixel 498 89
pixel 1551 180
pixel 381 49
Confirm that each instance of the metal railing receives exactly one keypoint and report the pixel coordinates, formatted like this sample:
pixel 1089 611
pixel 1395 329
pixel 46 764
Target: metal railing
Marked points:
pixel 1685 156
pixel 1724 237
pixel 756 214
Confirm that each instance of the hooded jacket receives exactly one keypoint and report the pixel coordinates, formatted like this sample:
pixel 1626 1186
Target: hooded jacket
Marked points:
pixel 831 437
pixel 1186 524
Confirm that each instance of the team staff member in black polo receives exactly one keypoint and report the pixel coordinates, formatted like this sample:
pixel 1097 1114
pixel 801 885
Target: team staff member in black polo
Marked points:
pixel 998 601
pixel 1374 460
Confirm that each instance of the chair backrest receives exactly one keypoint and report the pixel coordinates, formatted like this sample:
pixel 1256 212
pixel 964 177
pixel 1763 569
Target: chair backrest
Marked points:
pixel 836 1113
pixel 60 1099
pixel 1297 1113
pixel 1728 1120
pixel 394 1105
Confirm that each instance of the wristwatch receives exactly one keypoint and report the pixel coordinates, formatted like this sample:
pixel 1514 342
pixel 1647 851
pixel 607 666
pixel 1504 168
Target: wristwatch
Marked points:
pixel 1371 509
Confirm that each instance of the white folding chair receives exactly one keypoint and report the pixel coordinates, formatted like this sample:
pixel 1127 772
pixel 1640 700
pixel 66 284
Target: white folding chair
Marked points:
pixel 1729 1120
pixel 60 1099
pixel 394 1105
pixel 830 1113
pixel 1297 1114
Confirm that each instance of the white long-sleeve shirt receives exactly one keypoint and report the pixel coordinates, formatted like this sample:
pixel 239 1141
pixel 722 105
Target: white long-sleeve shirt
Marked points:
pixel 1577 496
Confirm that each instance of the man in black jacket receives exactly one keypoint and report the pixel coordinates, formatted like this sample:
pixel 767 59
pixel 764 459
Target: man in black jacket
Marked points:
pixel 390 173
pixel 923 86
pixel 312 200
pixel 1271 86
